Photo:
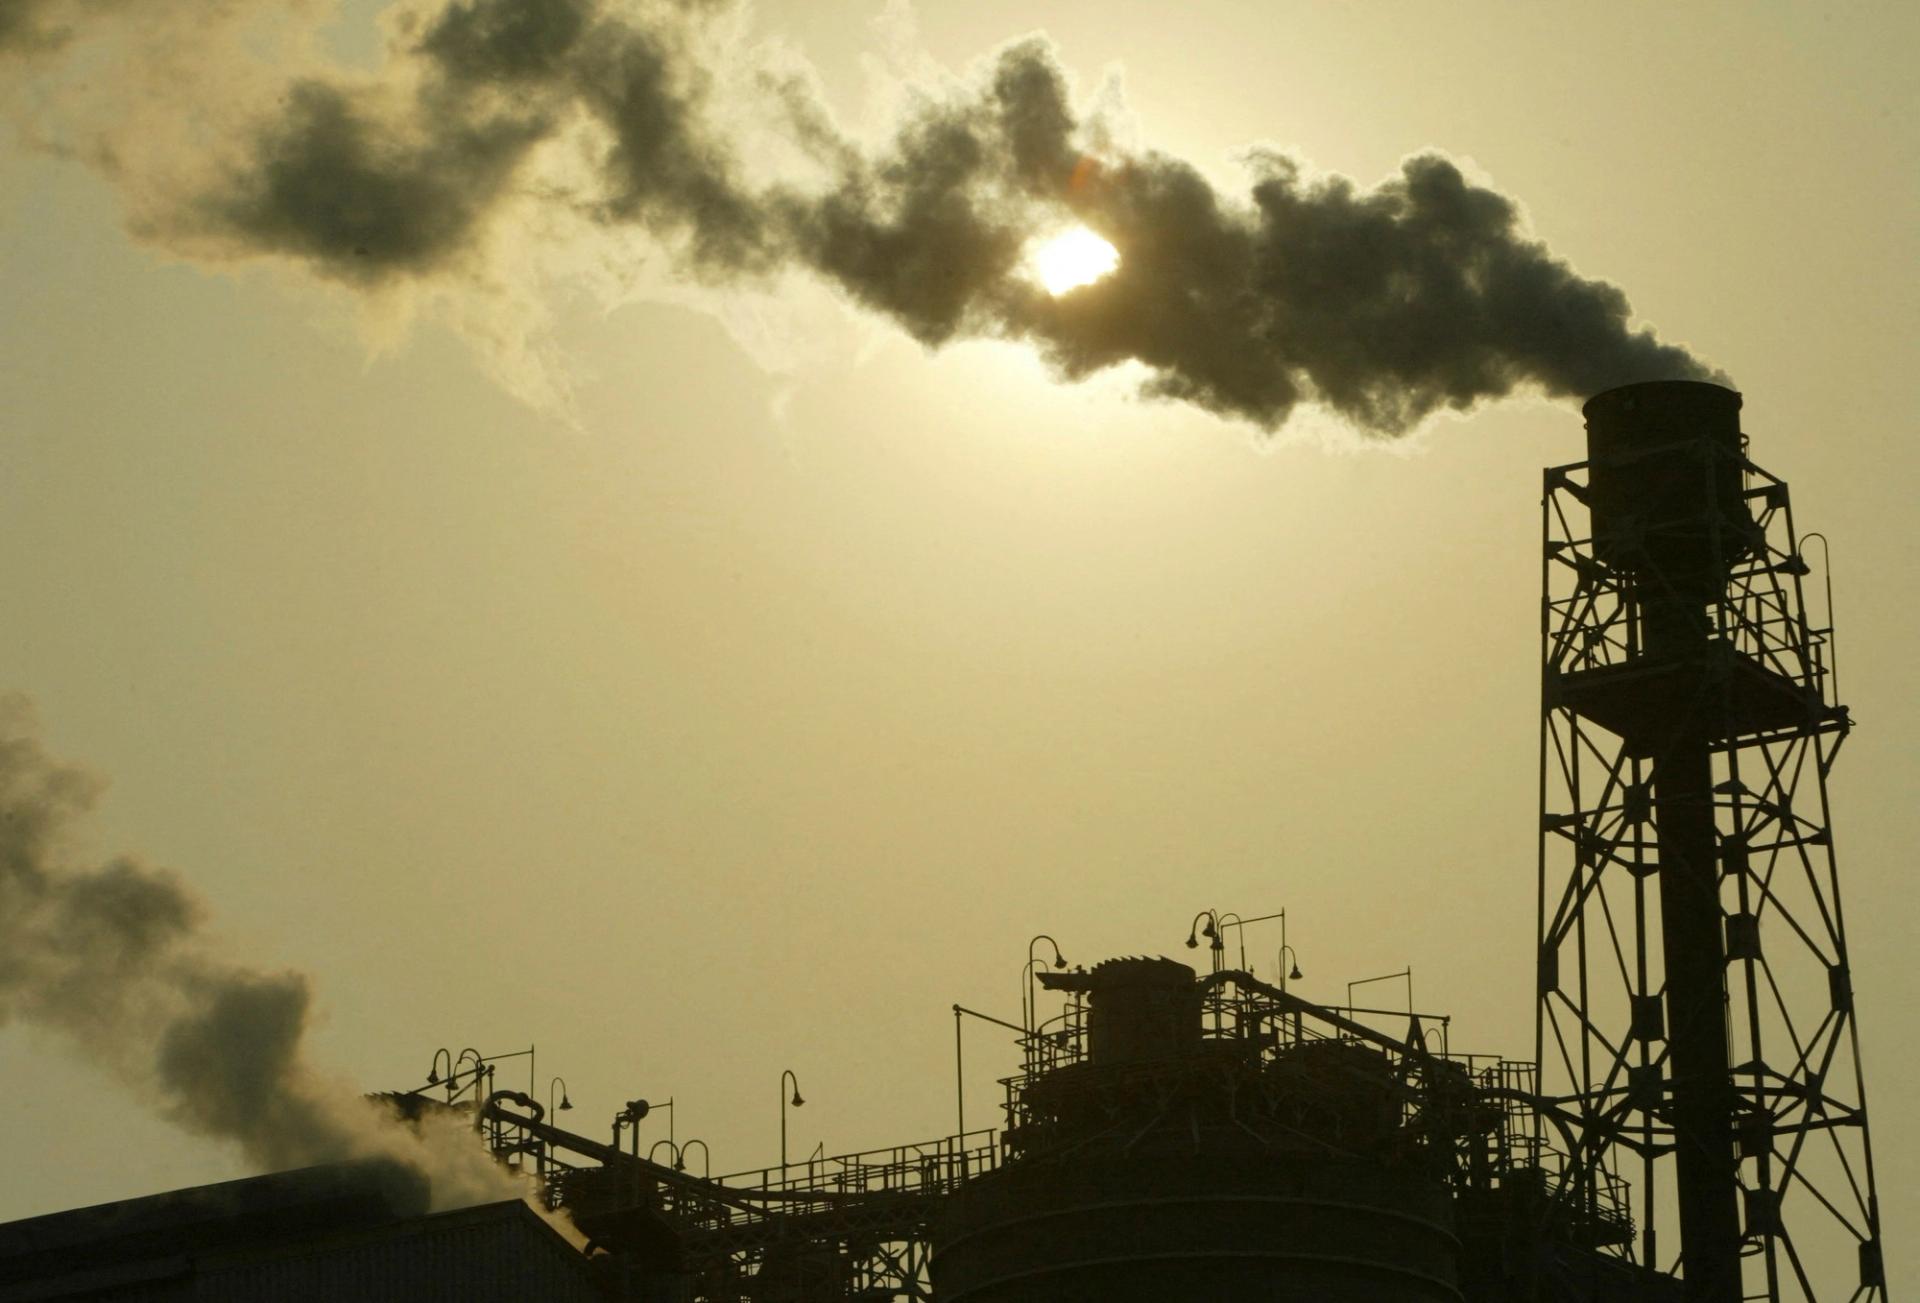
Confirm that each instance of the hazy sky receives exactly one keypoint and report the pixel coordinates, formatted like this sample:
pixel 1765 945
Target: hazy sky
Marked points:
pixel 760 704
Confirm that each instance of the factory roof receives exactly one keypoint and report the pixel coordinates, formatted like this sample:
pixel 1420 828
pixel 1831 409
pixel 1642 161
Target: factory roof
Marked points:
pixel 357 1230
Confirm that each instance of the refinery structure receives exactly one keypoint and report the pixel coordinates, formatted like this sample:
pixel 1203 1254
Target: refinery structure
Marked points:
pixel 1689 1124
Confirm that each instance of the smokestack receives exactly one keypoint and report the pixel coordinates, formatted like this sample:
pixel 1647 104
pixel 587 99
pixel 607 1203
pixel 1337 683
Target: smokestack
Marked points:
pixel 1666 494
pixel 1690 721
pixel 1669 509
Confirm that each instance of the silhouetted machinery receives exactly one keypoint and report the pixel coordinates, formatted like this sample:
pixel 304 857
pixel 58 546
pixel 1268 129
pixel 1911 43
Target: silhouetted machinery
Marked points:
pixel 1181 1136
pixel 1170 1136
pixel 1188 1138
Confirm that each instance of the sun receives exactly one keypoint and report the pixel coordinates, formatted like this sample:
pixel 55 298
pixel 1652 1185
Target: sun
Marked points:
pixel 1073 258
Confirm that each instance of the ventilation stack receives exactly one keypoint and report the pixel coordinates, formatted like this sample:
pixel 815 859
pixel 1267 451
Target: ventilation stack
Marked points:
pixel 1695 1022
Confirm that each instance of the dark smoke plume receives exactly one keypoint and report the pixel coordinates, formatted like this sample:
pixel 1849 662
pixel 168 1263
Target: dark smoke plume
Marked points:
pixel 1423 293
pixel 24 25
pixel 111 957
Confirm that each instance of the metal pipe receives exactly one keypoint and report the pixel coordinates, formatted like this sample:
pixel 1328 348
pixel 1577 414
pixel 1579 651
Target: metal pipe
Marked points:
pixel 786 1075
pixel 1669 513
pixel 1693 949
pixel 959 1082
pixel 517 1096
pixel 1406 972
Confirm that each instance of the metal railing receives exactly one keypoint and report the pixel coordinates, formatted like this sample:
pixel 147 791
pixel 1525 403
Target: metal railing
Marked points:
pixel 921 1171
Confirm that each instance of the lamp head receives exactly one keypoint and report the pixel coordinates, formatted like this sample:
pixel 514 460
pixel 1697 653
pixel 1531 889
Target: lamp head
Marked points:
pixel 1295 975
pixel 797 1101
pixel 565 1103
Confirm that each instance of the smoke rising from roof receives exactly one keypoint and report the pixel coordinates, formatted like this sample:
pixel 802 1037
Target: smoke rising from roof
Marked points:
pixel 1425 292
pixel 112 958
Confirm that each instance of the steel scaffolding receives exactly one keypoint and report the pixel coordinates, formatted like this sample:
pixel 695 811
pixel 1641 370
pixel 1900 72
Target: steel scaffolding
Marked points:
pixel 1696 1029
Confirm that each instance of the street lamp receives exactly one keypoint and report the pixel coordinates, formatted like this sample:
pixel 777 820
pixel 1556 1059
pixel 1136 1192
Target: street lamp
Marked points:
pixel 1026 974
pixel 786 1075
pixel 706 1159
pixel 1280 966
pixel 565 1103
pixel 479 1070
pixel 1210 931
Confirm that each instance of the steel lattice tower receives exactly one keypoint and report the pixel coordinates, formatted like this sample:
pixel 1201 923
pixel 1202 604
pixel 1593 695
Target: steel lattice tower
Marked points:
pixel 1696 1029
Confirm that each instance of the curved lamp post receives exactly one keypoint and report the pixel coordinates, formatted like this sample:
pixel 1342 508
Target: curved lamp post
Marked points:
pixel 479 1070
pixel 1220 942
pixel 1026 974
pixel 1210 931
pixel 1029 998
pixel 786 1075
pixel 1281 967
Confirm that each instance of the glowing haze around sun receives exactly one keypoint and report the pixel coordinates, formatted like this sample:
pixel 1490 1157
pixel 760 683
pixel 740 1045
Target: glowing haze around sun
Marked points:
pixel 1073 258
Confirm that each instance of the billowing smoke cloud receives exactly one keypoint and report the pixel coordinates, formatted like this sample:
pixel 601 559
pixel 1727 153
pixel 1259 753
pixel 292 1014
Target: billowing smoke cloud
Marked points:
pixel 25 25
pixel 1423 293
pixel 112 958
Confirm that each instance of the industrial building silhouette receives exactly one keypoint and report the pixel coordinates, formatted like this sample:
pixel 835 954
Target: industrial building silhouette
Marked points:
pixel 1691 1124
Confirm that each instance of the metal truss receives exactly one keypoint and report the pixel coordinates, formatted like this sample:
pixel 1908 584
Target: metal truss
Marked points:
pixel 852 1227
pixel 1759 695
